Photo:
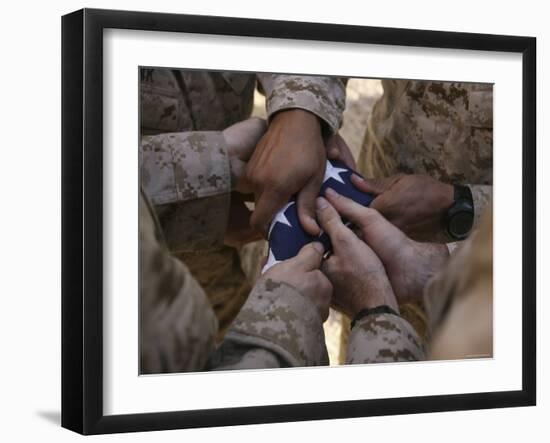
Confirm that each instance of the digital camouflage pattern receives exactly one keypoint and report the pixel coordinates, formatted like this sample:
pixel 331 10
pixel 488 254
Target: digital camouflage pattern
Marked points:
pixel 322 96
pixel 461 294
pixel 440 129
pixel 220 274
pixel 383 338
pixel 277 327
pixel 175 101
pixel 177 324
pixel 186 175
pixel 179 100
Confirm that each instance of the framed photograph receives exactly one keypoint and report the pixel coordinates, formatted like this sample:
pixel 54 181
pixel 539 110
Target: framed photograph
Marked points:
pixel 268 221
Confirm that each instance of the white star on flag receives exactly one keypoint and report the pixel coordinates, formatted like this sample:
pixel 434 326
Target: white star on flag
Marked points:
pixel 281 218
pixel 332 172
pixel 271 261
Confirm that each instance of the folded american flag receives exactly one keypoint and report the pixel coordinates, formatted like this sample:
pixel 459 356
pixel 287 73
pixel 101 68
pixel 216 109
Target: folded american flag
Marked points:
pixel 286 236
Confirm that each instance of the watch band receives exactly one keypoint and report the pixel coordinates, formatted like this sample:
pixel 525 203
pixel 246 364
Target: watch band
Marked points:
pixel 463 204
pixel 463 193
pixel 382 309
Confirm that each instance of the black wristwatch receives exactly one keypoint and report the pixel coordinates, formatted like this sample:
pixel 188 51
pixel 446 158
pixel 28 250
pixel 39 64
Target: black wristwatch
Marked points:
pixel 460 216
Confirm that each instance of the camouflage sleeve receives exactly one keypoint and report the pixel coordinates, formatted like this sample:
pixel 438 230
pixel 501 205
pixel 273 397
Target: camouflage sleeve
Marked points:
pixel 383 338
pixel 481 195
pixel 277 327
pixel 323 96
pixel 177 324
pixel 187 177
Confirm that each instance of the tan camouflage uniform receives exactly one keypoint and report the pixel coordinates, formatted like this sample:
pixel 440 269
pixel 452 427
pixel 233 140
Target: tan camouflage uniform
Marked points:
pixel 188 176
pixel 277 327
pixel 183 100
pixel 440 129
pixel 459 304
pixel 383 338
pixel 178 327
pixel 177 324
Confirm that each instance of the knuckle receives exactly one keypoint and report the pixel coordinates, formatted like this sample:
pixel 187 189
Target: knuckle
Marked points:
pixel 370 215
pixel 306 203
pixel 341 236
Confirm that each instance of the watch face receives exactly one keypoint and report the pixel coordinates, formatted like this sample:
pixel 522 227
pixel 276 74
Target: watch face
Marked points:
pixel 460 224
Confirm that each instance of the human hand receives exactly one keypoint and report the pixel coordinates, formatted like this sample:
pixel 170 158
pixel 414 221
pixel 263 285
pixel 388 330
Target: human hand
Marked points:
pixel 338 149
pixel 302 272
pixel 241 139
pixel 356 273
pixel 289 159
pixel 409 264
pixel 416 204
pixel 238 231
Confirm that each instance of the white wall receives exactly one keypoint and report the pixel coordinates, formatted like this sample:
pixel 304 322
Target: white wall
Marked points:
pixel 30 218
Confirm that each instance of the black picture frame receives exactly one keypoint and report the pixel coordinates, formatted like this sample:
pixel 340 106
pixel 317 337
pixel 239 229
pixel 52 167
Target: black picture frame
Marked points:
pixel 82 219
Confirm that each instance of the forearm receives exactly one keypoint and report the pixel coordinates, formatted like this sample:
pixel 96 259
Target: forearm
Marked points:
pixel 323 96
pixel 277 327
pixel 187 178
pixel 383 338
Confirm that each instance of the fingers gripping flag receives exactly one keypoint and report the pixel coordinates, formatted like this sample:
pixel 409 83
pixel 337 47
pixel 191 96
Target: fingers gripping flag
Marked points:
pixel 286 236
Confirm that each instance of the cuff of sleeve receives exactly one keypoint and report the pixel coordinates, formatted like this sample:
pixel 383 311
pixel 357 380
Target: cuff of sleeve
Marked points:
pixel 187 178
pixel 278 317
pixel 184 166
pixel 383 338
pixel 481 196
pixel 324 97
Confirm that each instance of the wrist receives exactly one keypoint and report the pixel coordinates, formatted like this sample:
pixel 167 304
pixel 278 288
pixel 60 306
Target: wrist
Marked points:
pixel 423 260
pixel 380 309
pixel 298 116
pixel 459 218
pixel 379 296
pixel 445 197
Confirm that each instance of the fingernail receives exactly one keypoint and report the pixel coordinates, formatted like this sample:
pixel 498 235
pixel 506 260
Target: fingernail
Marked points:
pixel 321 203
pixel 358 178
pixel 331 192
pixel 318 247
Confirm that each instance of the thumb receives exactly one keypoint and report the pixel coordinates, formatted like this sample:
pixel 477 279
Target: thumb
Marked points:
pixel 309 257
